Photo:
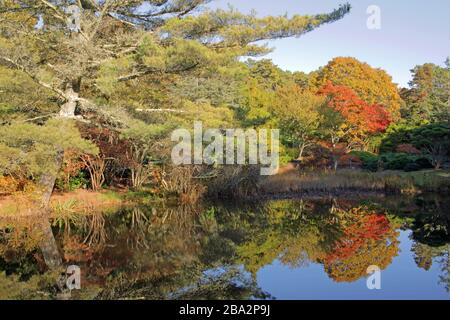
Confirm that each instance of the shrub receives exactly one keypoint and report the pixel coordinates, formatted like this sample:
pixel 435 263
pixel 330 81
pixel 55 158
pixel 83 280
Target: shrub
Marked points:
pixel 407 148
pixel 232 182
pixel 350 161
pixel 8 185
pixel 413 166
pixel 317 156
pixel 79 181
pixel 369 160
pixel 424 162
pixel 404 161
pixel 185 183
pixel 395 161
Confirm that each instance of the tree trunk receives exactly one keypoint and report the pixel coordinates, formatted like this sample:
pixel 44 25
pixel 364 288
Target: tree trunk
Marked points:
pixel 67 110
pixel 47 181
pixel 437 165
pixel 335 164
pixel 300 153
pixel 335 157
pixel 48 246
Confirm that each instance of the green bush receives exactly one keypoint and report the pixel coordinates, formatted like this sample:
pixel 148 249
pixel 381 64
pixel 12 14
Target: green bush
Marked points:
pixel 404 161
pixel 393 161
pixel 80 181
pixel 369 160
pixel 413 166
pixel 287 154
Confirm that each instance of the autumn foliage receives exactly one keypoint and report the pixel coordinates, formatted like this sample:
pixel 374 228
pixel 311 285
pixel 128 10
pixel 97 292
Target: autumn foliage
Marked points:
pixel 371 226
pixel 372 85
pixel 368 239
pixel 364 117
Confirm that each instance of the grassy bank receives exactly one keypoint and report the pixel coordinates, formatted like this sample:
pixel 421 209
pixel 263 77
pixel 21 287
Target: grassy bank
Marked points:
pixel 76 201
pixel 244 185
pixel 79 201
pixel 357 181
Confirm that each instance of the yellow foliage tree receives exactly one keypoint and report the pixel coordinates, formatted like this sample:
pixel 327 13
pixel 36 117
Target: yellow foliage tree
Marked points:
pixel 372 85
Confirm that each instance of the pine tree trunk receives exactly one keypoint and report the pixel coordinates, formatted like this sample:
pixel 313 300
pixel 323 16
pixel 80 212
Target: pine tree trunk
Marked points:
pixel 67 110
pixel 48 246
pixel 47 181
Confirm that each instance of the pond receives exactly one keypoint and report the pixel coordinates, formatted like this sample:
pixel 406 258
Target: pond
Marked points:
pixel 277 249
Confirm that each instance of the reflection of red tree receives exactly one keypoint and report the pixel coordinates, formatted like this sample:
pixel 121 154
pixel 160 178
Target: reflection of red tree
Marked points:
pixel 368 239
pixel 369 227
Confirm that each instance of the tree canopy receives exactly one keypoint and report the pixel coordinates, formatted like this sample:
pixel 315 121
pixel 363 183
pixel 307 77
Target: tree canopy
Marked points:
pixel 372 85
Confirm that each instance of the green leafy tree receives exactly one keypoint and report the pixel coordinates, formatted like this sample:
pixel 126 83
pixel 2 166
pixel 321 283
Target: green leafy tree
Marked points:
pixel 80 59
pixel 298 116
pixel 428 99
pixel 395 135
pixel 29 150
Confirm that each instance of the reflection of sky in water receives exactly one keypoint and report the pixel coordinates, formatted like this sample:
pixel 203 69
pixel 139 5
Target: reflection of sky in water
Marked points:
pixel 402 279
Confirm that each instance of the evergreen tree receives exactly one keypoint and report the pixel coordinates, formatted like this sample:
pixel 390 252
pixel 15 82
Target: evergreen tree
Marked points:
pixel 80 52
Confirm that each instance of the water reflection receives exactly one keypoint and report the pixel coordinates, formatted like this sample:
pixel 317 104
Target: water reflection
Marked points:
pixel 219 252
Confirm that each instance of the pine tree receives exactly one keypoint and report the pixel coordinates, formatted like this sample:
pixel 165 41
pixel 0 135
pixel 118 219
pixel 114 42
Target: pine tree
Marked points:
pixel 80 52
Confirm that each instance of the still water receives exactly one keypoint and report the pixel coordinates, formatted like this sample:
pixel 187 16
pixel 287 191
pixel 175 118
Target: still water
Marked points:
pixel 279 249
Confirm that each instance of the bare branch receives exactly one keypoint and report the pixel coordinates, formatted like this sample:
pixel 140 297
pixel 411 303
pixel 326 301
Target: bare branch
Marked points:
pixel 103 13
pixel 18 9
pixel 145 72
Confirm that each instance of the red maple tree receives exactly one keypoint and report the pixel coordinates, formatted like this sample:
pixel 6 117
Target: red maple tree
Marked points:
pixel 365 118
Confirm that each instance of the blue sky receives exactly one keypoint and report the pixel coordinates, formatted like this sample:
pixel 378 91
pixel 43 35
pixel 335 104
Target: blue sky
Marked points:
pixel 412 32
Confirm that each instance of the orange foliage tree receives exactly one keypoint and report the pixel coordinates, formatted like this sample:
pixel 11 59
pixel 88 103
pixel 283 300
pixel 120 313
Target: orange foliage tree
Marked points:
pixel 373 86
pixel 350 119
pixel 364 118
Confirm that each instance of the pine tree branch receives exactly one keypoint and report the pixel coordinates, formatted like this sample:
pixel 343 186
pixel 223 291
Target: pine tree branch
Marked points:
pixel 148 71
pixel 103 13
pixel 136 75
pixel 161 110
pixel 121 20
pixel 56 12
pixel 22 68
